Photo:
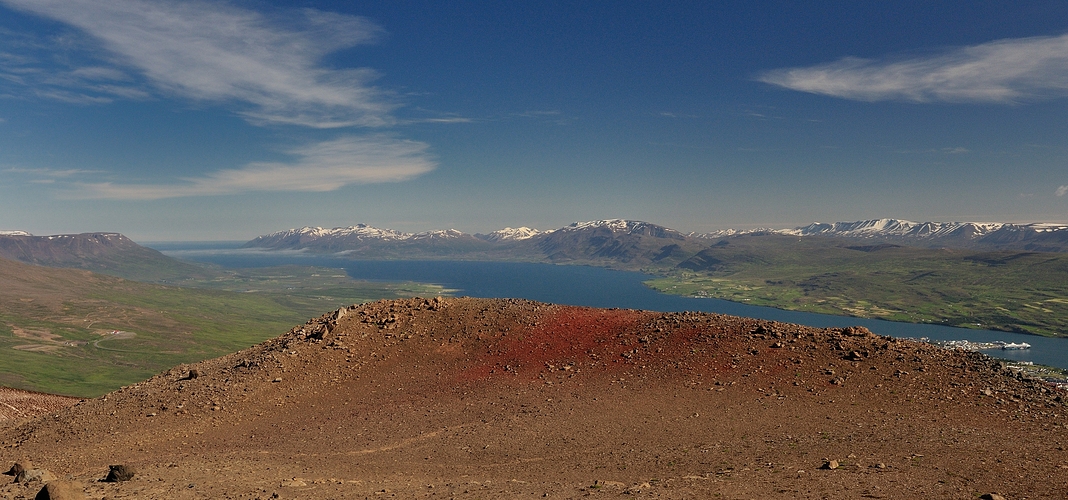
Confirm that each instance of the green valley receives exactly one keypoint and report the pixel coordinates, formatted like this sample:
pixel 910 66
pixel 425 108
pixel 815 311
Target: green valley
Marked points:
pixel 1008 290
pixel 74 332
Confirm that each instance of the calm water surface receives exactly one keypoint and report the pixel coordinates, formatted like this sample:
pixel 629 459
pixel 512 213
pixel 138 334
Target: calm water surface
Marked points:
pixel 596 287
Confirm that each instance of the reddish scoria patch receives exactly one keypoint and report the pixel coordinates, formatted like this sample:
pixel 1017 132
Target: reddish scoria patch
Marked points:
pixel 567 335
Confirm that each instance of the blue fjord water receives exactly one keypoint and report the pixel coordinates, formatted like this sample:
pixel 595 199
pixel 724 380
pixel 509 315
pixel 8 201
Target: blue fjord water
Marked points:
pixel 596 287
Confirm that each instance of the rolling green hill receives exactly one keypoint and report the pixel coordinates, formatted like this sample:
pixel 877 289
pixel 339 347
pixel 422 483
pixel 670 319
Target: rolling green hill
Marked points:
pixel 1014 291
pixel 80 333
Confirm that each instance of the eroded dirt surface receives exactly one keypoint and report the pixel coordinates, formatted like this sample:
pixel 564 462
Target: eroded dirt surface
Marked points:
pixel 17 406
pixel 479 398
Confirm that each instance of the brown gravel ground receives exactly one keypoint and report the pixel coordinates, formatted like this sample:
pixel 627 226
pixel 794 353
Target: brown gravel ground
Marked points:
pixel 480 398
pixel 17 406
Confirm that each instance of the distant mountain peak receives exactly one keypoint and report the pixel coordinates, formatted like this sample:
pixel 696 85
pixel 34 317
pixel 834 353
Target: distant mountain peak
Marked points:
pixel 1042 237
pixel 361 231
pixel 511 234
pixel 898 227
pixel 618 225
pixel 14 233
pixel 1038 237
pixel 437 235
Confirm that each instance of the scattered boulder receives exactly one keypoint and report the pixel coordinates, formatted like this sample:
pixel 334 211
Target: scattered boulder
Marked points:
pixel 638 488
pixel 60 490
pixel 17 468
pixel 32 475
pixel 830 465
pixel 857 331
pixel 855 356
pixel 991 496
pixel 119 473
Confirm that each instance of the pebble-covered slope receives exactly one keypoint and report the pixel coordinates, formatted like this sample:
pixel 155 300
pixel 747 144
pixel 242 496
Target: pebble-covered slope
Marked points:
pixel 503 398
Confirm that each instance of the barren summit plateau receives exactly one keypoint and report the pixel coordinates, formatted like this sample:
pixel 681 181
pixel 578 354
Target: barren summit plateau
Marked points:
pixel 491 398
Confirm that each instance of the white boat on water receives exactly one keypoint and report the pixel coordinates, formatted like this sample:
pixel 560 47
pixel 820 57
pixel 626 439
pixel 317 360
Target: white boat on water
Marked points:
pixel 1013 346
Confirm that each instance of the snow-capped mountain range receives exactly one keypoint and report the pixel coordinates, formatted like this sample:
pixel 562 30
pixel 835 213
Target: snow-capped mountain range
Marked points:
pixel 980 235
pixel 896 227
pixel 1042 237
pixel 922 233
pixel 609 239
pixel 363 232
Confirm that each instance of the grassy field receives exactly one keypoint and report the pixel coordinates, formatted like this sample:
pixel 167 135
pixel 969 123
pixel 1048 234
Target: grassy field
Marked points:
pixel 58 326
pixel 1012 291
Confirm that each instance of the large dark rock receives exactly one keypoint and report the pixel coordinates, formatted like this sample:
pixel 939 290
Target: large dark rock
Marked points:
pixel 119 473
pixel 61 490
pixel 17 468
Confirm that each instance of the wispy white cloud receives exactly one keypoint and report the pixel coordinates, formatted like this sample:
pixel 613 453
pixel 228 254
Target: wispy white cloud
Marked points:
pixel 1063 190
pixel 546 116
pixel 1002 71
pixel 537 113
pixel 455 119
pixel 50 172
pixel 319 167
pixel 99 73
pixel 49 175
pixel 267 67
pixel 946 151
pixel 669 114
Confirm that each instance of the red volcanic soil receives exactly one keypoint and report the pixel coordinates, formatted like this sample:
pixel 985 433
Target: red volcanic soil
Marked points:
pixel 480 398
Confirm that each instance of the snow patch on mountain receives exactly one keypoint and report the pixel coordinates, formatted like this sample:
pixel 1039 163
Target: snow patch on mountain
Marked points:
pixel 724 233
pixel 897 227
pixel 437 235
pixel 511 234
pixel 359 231
pixel 616 225
pixel 14 233
pixel 952 233
pixel 921 230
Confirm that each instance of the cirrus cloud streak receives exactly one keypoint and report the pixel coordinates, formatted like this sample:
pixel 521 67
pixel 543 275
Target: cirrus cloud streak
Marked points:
pixel 267 67
pixel 1003 71
pixel 319 167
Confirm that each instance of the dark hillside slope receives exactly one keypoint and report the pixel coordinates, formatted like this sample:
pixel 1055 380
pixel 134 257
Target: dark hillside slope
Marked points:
pixel 627 244
pixel 108 253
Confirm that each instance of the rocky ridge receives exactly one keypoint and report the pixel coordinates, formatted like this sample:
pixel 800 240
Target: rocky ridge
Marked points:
pixel 503 398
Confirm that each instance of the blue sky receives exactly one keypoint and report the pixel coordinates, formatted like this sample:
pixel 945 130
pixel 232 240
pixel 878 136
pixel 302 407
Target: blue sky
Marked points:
pixel 226 120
